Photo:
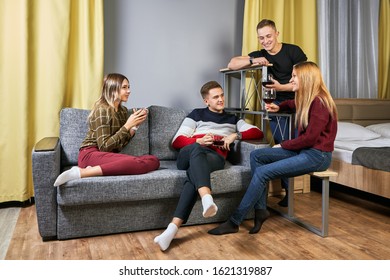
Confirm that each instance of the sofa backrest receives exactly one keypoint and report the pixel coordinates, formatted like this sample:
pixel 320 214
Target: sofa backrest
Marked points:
pixel 152 137
pixel 73 129
pixel 139 144
pixel 163 125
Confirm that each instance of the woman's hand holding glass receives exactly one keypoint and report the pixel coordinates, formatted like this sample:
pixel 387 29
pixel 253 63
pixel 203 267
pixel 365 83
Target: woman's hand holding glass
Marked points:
pixel 273 108
pixel 137 118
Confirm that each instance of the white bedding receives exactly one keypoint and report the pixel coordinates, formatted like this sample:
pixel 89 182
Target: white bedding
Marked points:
pixel 344 149
pixel 342 155
pixel 351 136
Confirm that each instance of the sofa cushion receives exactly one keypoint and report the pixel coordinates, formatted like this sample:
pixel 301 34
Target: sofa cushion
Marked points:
pixel 166 182
pixel 73 129
pixel 163 125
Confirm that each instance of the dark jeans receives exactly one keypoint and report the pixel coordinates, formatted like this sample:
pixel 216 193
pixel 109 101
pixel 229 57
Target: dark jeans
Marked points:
pixel 199 162
pixel 272 163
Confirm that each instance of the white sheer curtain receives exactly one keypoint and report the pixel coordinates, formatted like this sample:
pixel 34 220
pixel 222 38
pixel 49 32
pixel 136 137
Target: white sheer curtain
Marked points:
pixel 348 47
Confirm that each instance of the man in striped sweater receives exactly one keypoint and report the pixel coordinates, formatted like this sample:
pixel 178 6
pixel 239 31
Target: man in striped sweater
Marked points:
pixel 204 140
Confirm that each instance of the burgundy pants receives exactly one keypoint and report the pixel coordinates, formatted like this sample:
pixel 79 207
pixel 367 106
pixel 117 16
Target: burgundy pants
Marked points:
pixel 117 164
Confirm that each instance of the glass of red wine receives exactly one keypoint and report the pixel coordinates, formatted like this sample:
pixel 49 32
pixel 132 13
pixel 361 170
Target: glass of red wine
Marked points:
pixel 266 80
pixel 218 141
pixel 269 94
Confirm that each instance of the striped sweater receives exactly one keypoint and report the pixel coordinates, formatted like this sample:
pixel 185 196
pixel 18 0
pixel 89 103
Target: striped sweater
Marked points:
pixel 202 121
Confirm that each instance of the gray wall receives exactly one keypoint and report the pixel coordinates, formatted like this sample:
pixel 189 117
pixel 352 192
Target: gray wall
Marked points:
pixel 169 48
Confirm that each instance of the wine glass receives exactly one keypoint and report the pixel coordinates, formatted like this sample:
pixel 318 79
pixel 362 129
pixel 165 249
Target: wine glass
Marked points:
pixel 218 140
pixel 269 96
pixel 266 80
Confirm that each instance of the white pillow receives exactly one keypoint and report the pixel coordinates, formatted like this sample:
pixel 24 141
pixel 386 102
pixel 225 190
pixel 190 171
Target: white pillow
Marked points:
pixel 354 132
pixel 380 128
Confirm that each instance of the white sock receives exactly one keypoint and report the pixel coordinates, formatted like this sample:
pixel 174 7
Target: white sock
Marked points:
pixel 71 174
pixel 209 207
pixel 165 238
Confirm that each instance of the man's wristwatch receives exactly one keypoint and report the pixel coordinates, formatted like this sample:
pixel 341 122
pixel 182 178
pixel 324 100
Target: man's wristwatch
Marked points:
pixel 239 135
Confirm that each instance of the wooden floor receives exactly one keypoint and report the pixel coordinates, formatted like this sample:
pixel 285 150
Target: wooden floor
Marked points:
pixel 8 219
pixel 358 229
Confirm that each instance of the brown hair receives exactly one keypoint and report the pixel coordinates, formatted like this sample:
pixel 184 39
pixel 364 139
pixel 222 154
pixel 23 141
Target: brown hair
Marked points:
pixel 204 91
pixel 266 22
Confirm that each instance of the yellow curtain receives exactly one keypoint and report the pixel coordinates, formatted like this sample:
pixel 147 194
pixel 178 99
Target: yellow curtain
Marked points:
pixel 296 21
pixel 384 51
pixel 51 55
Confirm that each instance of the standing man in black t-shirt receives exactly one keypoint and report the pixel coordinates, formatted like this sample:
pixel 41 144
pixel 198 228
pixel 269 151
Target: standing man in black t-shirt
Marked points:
pixel 283 57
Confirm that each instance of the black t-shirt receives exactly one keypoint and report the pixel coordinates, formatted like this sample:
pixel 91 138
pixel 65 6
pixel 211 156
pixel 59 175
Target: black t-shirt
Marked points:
pixel 283 63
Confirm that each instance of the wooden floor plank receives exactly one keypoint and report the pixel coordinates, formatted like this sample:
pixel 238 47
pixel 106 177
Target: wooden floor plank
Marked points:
pixel 358 230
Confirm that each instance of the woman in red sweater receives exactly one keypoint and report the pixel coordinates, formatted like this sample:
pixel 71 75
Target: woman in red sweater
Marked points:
pixel 316 119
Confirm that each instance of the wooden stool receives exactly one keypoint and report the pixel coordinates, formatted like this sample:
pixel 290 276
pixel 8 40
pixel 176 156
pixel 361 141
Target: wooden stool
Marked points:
pixel 324 176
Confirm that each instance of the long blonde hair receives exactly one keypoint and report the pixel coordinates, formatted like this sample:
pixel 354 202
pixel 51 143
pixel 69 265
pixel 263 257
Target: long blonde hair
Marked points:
pixel 311 85
pixel 112 84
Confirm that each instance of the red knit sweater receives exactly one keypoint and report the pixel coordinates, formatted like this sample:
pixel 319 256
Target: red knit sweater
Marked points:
pixel 320 132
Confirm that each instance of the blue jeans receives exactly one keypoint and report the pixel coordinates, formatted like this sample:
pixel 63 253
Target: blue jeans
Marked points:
pixel 272 163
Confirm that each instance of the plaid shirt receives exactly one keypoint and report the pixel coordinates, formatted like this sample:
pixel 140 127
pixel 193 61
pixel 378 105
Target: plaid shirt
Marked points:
pixel 106 130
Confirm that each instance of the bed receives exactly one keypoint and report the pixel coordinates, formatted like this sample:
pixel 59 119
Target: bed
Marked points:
pixel 362 147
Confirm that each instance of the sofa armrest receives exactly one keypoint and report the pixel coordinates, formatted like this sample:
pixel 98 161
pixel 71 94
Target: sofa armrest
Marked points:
pixel 46 144
pixel 242 150
pixel 46 161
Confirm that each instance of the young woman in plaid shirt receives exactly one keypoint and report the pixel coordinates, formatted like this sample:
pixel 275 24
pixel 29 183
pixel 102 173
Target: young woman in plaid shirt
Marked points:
pixel 109 131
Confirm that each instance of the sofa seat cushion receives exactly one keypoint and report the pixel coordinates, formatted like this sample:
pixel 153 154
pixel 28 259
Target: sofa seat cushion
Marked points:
pixel 166 182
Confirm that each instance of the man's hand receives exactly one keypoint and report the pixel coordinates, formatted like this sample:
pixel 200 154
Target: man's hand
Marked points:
pixel 228 140
pixel 260 61
pixel 206 140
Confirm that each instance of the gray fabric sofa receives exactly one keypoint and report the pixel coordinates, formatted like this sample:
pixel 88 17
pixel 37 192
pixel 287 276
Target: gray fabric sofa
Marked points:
pixel 114 204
